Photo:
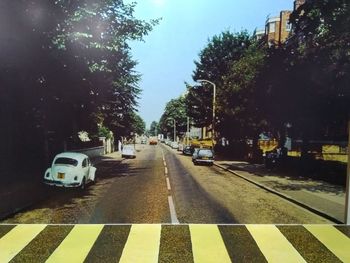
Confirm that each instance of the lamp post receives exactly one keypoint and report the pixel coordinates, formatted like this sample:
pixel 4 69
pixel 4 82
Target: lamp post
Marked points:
pixel 214 105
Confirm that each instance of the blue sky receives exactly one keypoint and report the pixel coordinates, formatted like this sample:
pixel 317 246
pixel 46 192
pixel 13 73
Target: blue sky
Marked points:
pixel 166 58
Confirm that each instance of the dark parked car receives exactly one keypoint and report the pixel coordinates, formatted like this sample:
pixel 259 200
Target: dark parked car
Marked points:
pixel 188 150
pixel 204 156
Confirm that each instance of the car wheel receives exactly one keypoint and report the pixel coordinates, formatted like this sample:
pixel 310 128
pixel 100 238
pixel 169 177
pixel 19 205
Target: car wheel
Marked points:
pixel 83 184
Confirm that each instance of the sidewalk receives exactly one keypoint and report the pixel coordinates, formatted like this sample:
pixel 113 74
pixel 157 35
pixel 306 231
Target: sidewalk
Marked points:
pixel 320 197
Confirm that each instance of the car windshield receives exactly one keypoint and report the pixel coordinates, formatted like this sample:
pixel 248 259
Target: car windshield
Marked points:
pixel 66 161
pixel 206 152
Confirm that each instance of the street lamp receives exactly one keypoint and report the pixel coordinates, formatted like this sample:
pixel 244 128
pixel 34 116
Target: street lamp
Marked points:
pixel 174 127
pixel 214 105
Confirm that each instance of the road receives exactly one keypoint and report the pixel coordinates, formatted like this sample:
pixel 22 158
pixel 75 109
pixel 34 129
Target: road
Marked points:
pixel 162 186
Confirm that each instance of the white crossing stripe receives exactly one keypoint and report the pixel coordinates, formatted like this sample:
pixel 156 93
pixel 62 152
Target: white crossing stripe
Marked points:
pixel 142 245
pixel 333 239
pixel 273 244
pixel 207 244
pixel 76 246
pixel 15 240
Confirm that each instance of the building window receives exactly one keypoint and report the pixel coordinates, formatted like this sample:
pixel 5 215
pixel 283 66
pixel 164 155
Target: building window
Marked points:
pixel 288 26
pixel 272 27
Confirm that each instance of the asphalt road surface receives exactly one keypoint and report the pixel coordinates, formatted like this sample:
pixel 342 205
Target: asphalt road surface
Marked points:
pixel 162 186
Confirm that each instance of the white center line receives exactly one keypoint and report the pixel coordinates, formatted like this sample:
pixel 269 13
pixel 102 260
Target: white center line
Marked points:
pixel 168 183
pixel 173 215
pixel 166 170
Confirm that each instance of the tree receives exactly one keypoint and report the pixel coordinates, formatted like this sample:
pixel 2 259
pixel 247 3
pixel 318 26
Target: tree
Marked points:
pixel 66 67
pixel 153 130
pixel 320 48
pixel 175 109
pixel 215 61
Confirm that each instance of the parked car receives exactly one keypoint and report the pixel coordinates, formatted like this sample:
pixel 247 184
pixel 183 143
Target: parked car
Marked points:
pixel 174 145
pixel 188 150
pixel 70 169
pixel 128 151
pixel 143 141
pixel 204 156
pixel 181 147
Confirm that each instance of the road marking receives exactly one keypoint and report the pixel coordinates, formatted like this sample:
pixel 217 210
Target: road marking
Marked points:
pixel 168 183
pixel 173 215
pixel 15 240
pixel 207 244
pixel 76 246
pixel 273 244
pixel 142 245
pixel 333 239
pixel 164 163
pixel 165 170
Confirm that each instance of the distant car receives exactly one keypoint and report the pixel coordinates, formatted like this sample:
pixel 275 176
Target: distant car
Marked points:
pixel 181 147
pixel 143 141
pixel 187 150
pixel 70 169
pixel 128 151
pixel 153 142
pixel 174 145
pixel 204 156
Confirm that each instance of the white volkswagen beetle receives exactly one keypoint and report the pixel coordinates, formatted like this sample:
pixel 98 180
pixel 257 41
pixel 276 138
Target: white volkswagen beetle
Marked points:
pixel 70 169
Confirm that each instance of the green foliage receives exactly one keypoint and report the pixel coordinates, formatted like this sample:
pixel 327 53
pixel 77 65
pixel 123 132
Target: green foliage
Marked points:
pixel 154 128
pixel 104 132
pixel 175 109
pixel 215 62
pixel 66 66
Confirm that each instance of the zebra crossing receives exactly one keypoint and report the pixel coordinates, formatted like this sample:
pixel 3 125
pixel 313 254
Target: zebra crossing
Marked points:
pixel 200 243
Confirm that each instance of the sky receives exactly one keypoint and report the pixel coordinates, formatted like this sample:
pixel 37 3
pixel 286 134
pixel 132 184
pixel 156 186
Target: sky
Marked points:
pixel 166 58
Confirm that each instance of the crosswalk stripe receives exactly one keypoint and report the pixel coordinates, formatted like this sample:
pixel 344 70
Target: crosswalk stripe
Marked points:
pixel 273 244
pixel 76 246
pixel 15 240
pixel 207 244
pixel 333 239
pixel 142 244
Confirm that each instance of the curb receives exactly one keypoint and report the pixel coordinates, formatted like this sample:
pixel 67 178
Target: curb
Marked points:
pixel 284 196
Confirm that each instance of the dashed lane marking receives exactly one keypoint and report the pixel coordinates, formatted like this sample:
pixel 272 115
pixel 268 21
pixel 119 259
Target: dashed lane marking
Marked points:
pixel 168 183
pixel 333 239
pixel 165 170
pixel 15 240
pixel 142 245
pixel 76 246
pixel 273 244
pixel 173 215
pixel 207 244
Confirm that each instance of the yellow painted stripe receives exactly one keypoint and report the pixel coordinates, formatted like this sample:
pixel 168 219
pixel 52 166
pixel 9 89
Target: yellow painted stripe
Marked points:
pixel 207 244
pixel 15 240
pixel 273 244
pixel 76 246
pixel 333 239
pixel 142 244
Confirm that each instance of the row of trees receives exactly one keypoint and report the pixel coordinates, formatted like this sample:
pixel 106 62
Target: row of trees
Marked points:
pixel 264 88
pixel 65 67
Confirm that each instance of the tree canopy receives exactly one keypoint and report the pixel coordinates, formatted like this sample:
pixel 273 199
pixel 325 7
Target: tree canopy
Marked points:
pixel 66 67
